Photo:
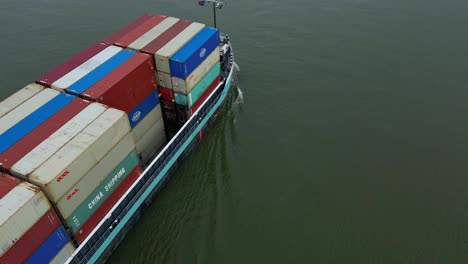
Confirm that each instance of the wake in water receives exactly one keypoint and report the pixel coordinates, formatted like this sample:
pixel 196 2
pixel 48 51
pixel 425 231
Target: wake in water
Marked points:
pixel 236 67
pixel 240 95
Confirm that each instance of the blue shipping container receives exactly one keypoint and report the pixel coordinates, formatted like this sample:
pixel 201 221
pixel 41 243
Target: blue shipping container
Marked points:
pixel 194 52
pixel 100 72
pixel 141 110
pixel 29 123
pixel 50 248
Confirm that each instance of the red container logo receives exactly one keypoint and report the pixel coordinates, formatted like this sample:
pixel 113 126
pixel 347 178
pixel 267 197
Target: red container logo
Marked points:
pixel 61 177
pixel 72 194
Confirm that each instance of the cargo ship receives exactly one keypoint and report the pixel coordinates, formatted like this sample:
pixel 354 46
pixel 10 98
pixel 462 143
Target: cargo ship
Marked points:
pixel 87 146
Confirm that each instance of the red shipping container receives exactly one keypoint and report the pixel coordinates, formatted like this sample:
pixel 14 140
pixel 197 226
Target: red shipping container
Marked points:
pixel 94 220
pixel 126 86
pixel 120 33
pixel 59 71
pixel 13 154
pixel 32 239
pixel 159 42
pixel 167 94
pixel 205 94
pixel 7 183
pixel 138 31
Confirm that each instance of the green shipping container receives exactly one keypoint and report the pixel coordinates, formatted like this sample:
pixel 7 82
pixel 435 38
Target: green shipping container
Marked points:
pixel 197 91
pixel 102 192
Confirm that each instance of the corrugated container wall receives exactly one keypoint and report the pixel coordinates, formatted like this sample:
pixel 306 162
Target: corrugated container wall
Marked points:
pixel 123 31
pixel 198 90
pixel 151 142
pixel 59 71
pixel 19 97
pixel 50 248
pixel 113 90
pixel 138 31
pixel 100 72
pixel 205 95
pixel 194 52
pixel 68 165
pixel 184 113
pixel 86 185
pixel 32 239
pixel 146 123
pixel 102 192
pixel 21 128
pixel 7 183
pixel 22 147
pixel 25 109
pixel 104 209
pixel 64 254
pixel 153 33
pixel 141 110
pixel 42 152
pixel 160 41
pixel 82 70
pixel 184 86
pixel 163 55
pixel 20 209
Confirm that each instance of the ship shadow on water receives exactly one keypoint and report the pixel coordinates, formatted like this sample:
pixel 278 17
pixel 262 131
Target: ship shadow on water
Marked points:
pixel 188 218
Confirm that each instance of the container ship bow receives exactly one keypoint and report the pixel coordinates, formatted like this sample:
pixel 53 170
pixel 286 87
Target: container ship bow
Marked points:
pixel 87 146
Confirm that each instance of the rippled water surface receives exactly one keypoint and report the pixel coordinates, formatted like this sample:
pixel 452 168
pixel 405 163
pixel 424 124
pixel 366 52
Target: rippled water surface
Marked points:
pixel 350 145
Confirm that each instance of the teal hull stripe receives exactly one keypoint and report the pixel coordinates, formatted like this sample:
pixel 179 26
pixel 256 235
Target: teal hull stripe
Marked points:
pixel 150 188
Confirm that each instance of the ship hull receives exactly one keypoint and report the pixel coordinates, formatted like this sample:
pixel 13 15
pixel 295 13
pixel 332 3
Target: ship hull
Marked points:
pixel 112 230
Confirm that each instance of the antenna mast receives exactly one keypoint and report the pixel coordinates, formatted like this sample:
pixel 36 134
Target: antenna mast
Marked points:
pixel 216 5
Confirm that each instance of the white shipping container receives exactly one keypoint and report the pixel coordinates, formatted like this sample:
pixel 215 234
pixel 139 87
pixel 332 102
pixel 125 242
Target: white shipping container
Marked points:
pixel 185 86
pixel 151 142
pixel 19 97
pixel 153 33
pixel 20 209
pixel 164 79
pixel 144 125
pixel 79 72
pixel 80 191
pixel 54 142
pixel 63 254
pixel 29 106
pixel 163 55
pixel 68 165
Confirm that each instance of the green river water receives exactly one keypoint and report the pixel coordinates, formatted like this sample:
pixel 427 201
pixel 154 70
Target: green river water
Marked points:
pixel 349 143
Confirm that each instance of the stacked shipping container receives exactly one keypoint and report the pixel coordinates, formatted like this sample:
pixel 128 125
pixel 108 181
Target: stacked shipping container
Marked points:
pixel 194 68
pixel 30 231
pixel 75 149
pixel 186 56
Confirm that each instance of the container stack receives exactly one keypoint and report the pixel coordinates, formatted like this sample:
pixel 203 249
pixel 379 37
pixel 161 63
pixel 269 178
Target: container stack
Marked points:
pixel 74 142
pixel 120 78
pixel 157 35
pixel 194 68
pixel 78 152
pixel 131 87
pixel 78 156
pixel 30 230
pixel 186 57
